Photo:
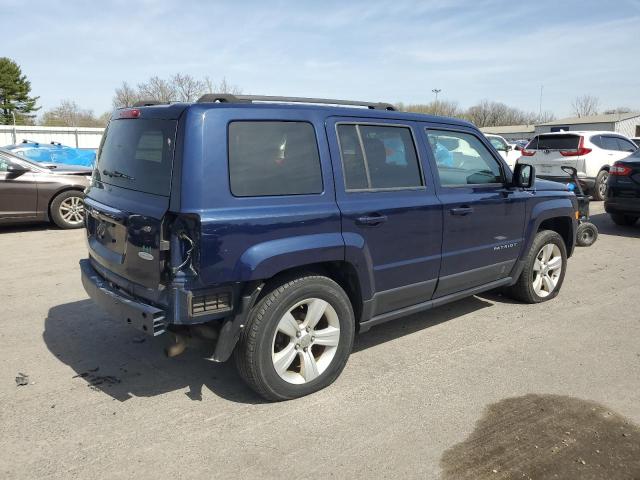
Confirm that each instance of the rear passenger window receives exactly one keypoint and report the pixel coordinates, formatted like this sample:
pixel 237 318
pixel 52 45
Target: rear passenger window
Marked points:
pixel 462 159
pixel 273 158
pixel 378 157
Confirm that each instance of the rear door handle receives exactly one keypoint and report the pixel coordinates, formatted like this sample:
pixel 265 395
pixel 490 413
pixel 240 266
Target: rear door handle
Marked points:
pixel 371 220
pixel 461 211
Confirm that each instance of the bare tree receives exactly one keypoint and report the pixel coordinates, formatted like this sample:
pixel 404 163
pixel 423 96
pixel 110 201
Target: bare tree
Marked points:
pixel 222 87
pixel 69 114
pixel 439 107
pixel 177 88
pixel 585 105
pixel 619 110
pixel 187 88
pixel 125 96
pixel 157 89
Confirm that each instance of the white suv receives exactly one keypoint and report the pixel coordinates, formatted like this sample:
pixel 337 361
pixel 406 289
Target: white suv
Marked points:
pixel 590 153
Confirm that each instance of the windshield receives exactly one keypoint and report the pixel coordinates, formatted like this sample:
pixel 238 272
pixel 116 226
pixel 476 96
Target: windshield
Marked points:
pixel 554 142
pixel 138 154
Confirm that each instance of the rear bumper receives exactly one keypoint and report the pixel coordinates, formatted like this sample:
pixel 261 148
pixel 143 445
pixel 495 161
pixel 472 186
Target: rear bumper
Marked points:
pixel 146 318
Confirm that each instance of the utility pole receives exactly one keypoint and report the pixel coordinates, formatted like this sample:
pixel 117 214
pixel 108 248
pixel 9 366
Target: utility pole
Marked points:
pixel 436 91
pixel 540 105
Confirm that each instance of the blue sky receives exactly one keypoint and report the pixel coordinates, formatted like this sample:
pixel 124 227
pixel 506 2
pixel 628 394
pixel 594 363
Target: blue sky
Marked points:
pixel 372 50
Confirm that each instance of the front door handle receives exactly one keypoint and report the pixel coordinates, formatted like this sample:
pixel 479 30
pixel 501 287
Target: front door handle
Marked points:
pixel 371 220
pixel 462 210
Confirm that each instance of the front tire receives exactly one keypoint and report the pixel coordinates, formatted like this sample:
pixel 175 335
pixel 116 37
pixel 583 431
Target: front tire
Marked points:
pixel 544 269
pixel 600 187
pixel 67 209
pixel 623 220
pixel 297 339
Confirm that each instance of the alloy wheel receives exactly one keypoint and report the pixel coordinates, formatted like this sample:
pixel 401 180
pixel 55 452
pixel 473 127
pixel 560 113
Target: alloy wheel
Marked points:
pixel 547 268
pixel 72 210
pixel 305 341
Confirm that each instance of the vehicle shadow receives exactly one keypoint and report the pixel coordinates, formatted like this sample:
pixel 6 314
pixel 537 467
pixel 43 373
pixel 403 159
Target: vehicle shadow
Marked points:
pixel 607 227
pixel 113 358
pixel 419 321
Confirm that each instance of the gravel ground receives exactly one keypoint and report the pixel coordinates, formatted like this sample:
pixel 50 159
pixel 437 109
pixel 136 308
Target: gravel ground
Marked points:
pixel 482 388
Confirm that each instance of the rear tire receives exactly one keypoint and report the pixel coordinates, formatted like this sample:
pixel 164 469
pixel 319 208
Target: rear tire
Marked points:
pixel 297 339
pixel 587 234
pixel 544 269
pixel 67 209
pixel 623 220
pixel 600 187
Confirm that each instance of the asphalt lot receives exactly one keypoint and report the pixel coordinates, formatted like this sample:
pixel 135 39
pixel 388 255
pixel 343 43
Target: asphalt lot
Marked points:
pixel 483 388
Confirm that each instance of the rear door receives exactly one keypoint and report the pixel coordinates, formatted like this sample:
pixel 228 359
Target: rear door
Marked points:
pixel 129 196
pixel 483 220
pixel 18 193
pixel 391 217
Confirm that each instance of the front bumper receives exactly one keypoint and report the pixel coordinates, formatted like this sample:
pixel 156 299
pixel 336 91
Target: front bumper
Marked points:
pixel 146 318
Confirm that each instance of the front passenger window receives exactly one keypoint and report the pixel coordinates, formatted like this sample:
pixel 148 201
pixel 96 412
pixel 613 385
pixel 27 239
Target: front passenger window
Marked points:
pixel 462 159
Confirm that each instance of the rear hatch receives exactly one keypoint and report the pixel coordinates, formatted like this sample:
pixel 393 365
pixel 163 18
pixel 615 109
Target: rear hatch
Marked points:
pixel 129 196
pixel 550 152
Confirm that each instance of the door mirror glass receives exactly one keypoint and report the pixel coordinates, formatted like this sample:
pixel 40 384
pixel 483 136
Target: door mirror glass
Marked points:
pixel 524 175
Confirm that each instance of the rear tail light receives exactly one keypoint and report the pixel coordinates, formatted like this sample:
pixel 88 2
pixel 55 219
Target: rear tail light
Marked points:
pixel 619 170
pixel 581 150
pixel 527 153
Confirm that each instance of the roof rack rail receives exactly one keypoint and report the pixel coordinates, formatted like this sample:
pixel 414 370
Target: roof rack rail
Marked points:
pixel 148 103
pixel 228 98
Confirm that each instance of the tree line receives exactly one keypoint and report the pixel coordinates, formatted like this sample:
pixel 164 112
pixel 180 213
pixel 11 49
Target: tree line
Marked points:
pixel 19 107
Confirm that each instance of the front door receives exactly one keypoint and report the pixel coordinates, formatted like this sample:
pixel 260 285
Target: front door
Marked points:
pixel 18 193
pixel 483 220
pixel 391 217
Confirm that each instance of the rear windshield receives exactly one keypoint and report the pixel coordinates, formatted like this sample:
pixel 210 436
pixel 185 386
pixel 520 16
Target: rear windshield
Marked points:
pixel 554 142
pixel 138 154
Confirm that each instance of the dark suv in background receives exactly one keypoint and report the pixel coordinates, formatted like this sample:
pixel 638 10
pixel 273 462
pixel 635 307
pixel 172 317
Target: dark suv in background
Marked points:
pixel 276 228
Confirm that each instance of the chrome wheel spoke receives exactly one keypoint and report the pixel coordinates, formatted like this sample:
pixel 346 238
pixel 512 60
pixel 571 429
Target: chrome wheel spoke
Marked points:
pixel 329 337
pixel 315 311
pixel 283 359
pixel 554 263
pixel 537 265
pixel 288 325
pixel 537 282
pixel 548 283
pixel 309 366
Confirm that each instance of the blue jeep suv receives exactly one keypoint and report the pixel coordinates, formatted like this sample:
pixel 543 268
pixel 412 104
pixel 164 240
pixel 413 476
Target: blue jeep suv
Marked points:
pixel 275 228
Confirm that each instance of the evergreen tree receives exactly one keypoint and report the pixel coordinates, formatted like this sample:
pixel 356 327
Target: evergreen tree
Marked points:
pixel 14 94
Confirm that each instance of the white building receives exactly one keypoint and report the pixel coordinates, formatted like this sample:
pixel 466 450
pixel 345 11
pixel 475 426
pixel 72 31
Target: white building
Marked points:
pixel 627 124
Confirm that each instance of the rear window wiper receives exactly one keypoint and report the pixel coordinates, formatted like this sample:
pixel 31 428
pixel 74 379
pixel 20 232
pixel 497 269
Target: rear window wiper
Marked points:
pixel 117 174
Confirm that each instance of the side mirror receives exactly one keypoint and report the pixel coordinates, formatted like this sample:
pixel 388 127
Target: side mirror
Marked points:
pixel 509 148
pixel 524 176
pixel 15 170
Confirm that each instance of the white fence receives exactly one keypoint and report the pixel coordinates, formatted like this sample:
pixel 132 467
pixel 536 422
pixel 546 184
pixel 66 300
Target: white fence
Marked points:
pixel 80 137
